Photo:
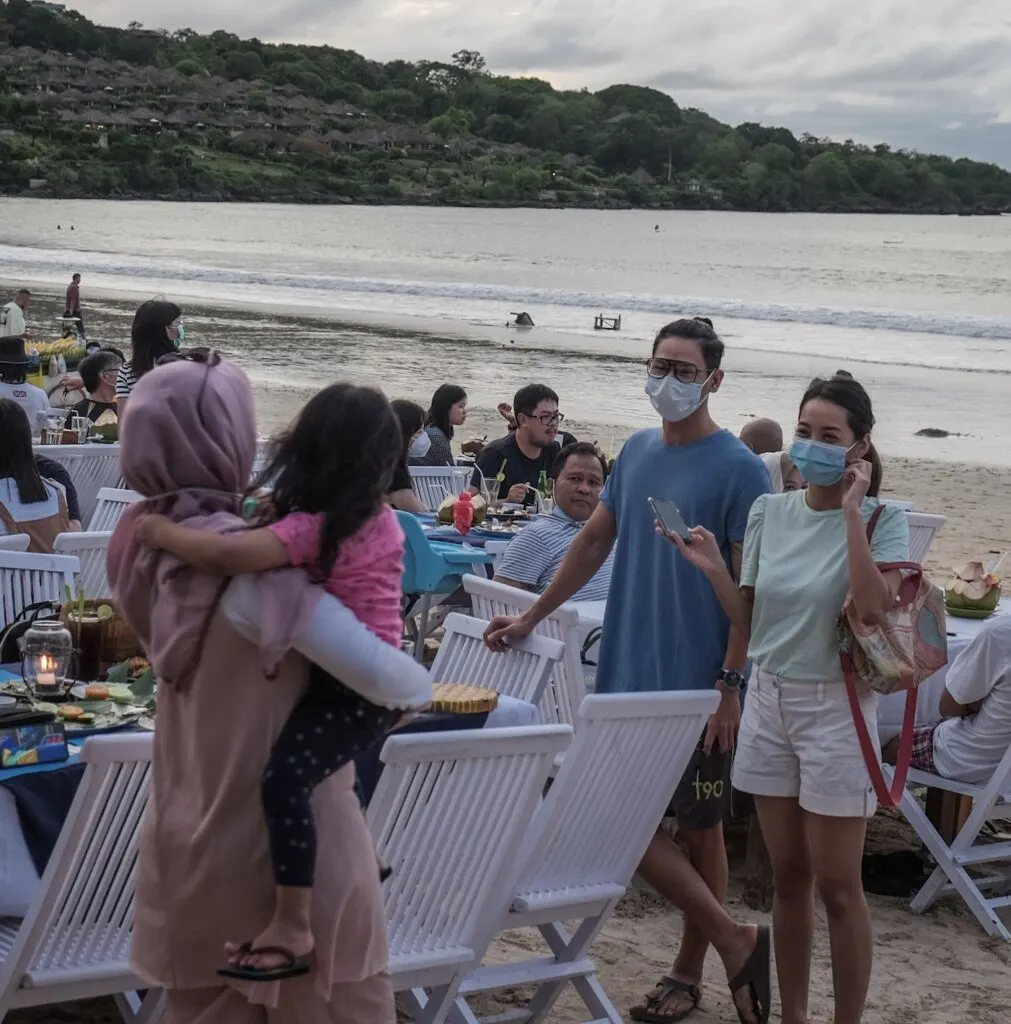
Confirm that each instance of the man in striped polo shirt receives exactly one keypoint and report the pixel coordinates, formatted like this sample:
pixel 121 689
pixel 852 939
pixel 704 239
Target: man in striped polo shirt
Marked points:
pixel 533 558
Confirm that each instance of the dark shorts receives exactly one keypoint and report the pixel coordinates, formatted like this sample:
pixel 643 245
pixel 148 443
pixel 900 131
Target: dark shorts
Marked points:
pixel 702 798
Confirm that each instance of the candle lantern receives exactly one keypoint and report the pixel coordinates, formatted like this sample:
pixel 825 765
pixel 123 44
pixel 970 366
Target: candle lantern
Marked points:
pixel 48 651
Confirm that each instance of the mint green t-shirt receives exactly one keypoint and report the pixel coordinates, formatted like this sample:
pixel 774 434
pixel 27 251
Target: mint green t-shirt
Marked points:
pixel 795 559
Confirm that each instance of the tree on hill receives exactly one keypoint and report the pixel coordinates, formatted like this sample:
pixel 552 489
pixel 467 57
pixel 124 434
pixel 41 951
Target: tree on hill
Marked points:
pixel 582 147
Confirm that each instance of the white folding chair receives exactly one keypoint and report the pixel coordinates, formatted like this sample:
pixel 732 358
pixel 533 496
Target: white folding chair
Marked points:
pixel 566 686
pixel 991 802
pixel 75 941
pixel 496 548
pixel 586 841
pixel 434 484
pixel 15 542
pixel 923 528
pixel 91 550
pixel 27 579
pixel 111 504
pixel 92 467
pixel 521 672
pixel 448 816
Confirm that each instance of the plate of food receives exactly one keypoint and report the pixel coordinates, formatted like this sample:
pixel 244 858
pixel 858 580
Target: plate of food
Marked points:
pixel 91 715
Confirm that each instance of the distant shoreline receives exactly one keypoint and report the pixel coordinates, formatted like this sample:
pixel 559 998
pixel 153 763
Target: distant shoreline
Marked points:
pixel 611 205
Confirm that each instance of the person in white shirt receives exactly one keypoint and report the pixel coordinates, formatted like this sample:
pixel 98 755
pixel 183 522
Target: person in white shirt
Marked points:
pixel 12 316
pixel 13 385
pixel 975 728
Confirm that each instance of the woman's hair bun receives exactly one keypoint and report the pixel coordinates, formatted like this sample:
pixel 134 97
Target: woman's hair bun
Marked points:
pixel 844 374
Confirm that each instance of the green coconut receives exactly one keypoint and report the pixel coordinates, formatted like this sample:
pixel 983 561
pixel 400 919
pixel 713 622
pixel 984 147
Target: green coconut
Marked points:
pixel 972 589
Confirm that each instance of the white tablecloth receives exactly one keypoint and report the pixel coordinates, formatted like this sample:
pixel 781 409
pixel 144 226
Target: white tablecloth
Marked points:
pixel 961 632
pixel 511 713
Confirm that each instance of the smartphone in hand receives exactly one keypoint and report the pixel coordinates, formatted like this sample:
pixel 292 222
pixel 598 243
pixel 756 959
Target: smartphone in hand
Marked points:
pixel 669 519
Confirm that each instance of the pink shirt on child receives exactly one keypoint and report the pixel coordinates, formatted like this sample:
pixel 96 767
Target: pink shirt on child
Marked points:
pixel 366 576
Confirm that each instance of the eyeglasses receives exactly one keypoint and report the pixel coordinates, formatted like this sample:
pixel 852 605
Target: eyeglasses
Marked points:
pixel 203 356
pixel 546 419
pixel 687 373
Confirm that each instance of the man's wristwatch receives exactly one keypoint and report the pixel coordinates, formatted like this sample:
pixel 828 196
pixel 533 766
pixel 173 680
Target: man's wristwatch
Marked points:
pixel 731 679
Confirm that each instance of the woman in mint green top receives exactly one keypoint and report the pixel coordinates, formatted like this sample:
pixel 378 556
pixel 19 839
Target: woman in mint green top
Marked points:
pixel 798 752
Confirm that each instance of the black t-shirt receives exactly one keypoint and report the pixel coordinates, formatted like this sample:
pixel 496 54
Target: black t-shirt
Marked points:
pixel 518 469
pixel 401 479
pixel 92 410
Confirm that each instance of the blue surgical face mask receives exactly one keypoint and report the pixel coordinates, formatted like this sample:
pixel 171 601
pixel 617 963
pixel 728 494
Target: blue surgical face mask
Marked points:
pixel 181 337
pixel 819 463
pixel 673 399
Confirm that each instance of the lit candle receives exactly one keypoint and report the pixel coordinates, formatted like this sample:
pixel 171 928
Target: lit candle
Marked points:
pixel 46 679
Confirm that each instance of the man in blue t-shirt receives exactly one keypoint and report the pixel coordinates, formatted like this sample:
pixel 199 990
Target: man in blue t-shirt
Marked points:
pixel 664 629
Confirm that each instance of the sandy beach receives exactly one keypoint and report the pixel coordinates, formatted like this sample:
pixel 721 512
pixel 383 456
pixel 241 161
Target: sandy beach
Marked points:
pixel 409 356
pixel 937 969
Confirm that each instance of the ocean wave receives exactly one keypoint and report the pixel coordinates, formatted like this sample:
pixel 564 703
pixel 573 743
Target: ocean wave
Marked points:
pixel 40 263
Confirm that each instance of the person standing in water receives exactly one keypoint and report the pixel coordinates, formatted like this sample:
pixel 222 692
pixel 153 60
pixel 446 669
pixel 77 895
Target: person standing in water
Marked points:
pixel 73 304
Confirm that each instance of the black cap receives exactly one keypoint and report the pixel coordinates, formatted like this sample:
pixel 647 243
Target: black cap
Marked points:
pixel 12 352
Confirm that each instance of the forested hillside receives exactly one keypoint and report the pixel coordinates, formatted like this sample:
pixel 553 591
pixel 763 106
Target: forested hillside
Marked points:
pixel 89 110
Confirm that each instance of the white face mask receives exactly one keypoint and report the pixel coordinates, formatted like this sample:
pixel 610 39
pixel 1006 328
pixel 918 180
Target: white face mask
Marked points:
pixel 419 446
pixel 674 400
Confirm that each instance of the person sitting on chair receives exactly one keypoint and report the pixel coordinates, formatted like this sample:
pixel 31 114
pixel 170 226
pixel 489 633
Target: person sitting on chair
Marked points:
pixel 974 732
pixel 532 559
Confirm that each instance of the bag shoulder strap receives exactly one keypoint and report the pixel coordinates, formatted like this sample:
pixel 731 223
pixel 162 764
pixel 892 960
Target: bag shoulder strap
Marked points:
pixel 873 521
pixel 872 758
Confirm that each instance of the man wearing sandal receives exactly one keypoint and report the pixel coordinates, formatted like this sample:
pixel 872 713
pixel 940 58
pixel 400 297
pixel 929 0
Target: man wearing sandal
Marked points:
pixel 662 631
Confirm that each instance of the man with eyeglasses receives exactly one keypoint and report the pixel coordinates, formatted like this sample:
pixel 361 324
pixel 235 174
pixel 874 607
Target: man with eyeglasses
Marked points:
pixel 663 630
pixel 519 459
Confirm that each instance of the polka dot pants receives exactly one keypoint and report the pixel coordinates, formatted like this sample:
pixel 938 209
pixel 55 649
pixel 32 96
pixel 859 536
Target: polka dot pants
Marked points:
pixel 329 727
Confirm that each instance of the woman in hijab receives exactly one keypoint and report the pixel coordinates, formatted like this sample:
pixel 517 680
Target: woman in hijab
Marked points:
pixel 231 662
pixel 784 474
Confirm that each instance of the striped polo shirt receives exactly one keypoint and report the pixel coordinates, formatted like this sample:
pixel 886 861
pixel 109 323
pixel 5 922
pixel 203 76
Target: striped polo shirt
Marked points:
pixel 534 556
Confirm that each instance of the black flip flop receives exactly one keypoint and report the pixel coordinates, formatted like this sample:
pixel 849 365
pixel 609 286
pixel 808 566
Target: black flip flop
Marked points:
pixel 756 977
pixel 294 966
pixel 646 1013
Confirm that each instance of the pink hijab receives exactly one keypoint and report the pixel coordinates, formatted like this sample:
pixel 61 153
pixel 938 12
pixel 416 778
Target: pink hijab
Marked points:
pixel 188 447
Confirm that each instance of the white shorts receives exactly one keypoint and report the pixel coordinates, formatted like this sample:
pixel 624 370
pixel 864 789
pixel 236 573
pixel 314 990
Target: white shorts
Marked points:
pixel 799 740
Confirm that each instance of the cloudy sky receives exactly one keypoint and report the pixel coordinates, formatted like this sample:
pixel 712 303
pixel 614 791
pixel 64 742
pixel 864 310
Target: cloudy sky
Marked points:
pixel 928 74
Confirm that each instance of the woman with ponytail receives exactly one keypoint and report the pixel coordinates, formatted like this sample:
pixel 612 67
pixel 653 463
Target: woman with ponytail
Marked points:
pixel 798 753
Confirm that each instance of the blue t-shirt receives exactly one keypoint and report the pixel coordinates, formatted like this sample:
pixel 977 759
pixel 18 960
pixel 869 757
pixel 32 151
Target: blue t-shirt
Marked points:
pixel 664 628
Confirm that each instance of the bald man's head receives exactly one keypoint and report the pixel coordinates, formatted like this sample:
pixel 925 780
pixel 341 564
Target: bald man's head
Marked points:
pixel 763 436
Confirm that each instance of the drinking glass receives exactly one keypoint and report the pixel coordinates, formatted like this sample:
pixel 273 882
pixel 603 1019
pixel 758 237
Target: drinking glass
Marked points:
pixel 81 426
pixel 53 432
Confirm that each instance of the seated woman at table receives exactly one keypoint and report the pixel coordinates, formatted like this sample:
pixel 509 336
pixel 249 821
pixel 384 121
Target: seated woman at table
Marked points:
pixel 974 731
pixel 328 516
pixel 29 503
pixel 230 658
pixel 447 411
pixel 412 424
